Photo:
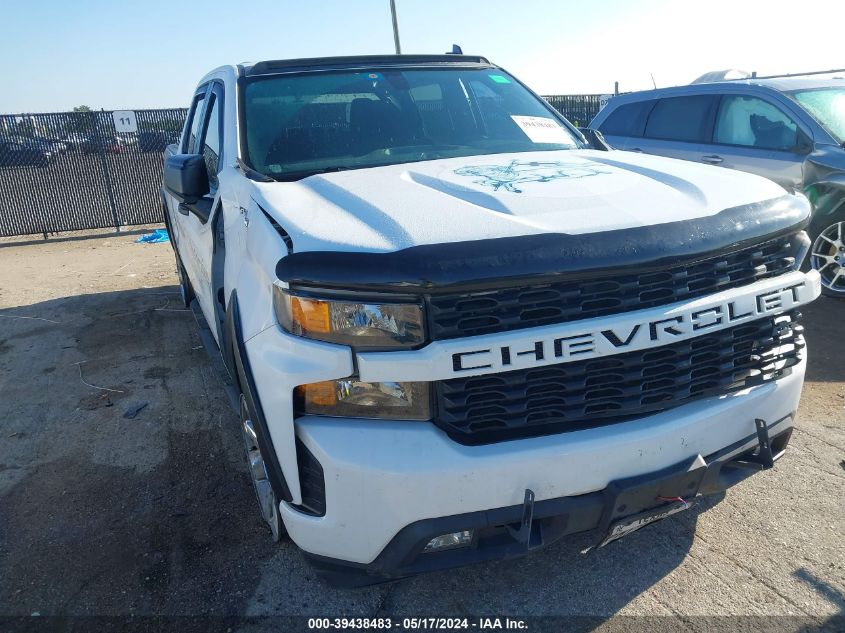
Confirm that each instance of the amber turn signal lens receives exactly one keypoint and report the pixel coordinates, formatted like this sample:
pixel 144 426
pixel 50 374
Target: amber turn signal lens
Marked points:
pixel 321 394
pixel 311 315
pixel 353 398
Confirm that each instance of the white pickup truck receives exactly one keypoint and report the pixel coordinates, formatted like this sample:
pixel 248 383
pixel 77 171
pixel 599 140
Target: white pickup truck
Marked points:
pixel 458 332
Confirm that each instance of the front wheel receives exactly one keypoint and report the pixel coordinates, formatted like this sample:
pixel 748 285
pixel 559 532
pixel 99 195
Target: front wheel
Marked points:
pixel 827 255
pixel 267 501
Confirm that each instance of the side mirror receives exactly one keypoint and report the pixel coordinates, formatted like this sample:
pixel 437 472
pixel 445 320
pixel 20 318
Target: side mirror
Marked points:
pixel 186 177
pixel 803 144
pixel 595 139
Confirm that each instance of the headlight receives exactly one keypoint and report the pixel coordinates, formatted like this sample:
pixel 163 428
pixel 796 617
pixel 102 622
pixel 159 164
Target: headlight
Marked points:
pixel 356 399
pixel 371 325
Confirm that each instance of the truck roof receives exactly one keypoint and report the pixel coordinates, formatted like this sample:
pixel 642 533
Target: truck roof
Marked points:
pixel 357 61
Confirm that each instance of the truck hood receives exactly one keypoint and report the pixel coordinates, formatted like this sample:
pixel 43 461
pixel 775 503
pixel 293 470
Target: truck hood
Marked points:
pixel 575 192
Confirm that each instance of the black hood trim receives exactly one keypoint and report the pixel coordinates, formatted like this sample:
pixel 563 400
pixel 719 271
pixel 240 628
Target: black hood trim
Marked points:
pixel 499 262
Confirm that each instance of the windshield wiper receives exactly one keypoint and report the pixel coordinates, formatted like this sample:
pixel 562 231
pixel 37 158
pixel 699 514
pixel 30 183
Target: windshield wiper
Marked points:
pixel 252 174
pixel 305 173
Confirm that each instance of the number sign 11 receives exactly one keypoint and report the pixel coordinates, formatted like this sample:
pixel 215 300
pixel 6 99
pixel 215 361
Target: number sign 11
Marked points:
pixel 125 121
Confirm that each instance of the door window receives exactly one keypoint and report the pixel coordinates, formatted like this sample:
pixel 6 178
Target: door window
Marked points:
pixel 195 119
pixel 752 122
pixel 211 139
pixel 681 119
pixel 627 120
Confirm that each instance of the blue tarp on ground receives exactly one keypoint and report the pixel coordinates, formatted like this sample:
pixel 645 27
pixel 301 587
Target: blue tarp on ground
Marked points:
pixel 157 236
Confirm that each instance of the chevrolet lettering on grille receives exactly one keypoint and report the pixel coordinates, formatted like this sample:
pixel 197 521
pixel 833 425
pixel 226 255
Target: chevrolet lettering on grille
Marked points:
pixel 636 336
pixel 574 341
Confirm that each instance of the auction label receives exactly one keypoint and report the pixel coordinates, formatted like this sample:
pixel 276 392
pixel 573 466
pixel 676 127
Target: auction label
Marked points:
pixel 542 130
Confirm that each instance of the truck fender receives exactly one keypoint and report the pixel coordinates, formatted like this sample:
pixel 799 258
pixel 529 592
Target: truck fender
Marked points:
pixel 238 364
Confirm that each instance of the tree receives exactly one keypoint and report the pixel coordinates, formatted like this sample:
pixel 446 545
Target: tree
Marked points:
pixel 82 119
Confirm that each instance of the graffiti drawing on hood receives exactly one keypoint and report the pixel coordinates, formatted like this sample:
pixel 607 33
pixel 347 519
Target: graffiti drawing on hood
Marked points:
pixel 508 176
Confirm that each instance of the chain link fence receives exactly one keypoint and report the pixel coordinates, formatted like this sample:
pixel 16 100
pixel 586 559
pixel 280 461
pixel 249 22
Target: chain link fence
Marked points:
pixel 68 171
pixel 579 109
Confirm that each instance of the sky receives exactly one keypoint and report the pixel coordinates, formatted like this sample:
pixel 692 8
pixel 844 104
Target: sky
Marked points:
pixel 57 54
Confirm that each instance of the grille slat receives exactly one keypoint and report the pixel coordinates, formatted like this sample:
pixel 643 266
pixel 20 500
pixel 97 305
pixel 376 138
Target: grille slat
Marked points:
pixel 595 392
pixel 484 312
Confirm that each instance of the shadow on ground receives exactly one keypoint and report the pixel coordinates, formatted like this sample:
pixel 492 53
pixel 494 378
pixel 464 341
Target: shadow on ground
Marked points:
pixel 103 514
pixel 75 236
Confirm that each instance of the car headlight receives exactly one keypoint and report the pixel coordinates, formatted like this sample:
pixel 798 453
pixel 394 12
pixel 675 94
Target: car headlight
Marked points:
pixel 362 325
pixel 354 398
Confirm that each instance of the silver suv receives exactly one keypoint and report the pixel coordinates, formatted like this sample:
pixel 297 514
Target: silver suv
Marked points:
pixel 790 130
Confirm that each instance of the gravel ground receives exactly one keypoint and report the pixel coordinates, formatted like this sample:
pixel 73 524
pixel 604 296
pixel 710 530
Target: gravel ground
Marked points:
pixel 101 515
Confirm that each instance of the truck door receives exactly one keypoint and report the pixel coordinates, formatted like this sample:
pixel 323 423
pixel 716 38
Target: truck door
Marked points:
pixel 195 231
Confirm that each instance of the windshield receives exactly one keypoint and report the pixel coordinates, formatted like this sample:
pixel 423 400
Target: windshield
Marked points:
pixel 827 105
pixel 298 125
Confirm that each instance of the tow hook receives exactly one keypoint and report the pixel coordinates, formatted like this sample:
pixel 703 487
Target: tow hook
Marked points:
pixel 523 534
pixel 763 459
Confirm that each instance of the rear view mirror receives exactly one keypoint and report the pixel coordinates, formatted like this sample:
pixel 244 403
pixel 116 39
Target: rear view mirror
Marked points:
pixel 186 177
pixel 595 139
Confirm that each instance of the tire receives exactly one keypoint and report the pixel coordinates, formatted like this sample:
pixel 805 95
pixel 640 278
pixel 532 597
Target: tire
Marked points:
pixel 827 254
pixel 268 502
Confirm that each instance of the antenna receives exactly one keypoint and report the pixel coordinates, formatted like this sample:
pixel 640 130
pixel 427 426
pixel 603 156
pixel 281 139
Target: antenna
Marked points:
pixel 395 27
pixel 456 50
pixel 654 83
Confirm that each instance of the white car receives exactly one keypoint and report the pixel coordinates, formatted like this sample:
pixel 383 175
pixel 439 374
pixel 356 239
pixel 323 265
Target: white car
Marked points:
pixel 457 332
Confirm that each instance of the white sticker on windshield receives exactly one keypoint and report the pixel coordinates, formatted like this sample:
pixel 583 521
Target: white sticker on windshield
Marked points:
pixel 542 130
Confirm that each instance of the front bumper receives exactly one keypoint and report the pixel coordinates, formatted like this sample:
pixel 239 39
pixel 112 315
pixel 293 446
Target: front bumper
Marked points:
pixel 495 530
pixel 389 485
pixel 383 479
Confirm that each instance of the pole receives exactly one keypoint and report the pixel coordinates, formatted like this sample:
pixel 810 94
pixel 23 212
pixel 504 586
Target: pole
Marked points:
pixel 100 142
pixel 395 27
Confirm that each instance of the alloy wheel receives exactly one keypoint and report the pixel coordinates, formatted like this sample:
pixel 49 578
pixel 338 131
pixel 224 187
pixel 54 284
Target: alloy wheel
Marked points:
pixel 267 501
pixel 828 257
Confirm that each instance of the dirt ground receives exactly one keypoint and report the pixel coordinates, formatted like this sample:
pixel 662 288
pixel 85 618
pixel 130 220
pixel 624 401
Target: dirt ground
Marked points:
pixel 107 515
